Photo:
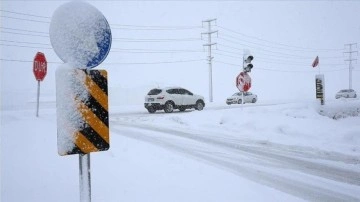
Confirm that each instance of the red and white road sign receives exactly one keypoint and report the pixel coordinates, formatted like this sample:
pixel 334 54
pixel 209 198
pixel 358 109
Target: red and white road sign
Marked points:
pixel 243 81
pixel 40 66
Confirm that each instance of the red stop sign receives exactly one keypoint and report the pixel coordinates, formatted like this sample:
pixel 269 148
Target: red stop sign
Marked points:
pixel 40 66
pixel 243 81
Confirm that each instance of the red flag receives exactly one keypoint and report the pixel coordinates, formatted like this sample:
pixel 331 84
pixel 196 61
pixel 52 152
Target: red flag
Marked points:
pixel 316 62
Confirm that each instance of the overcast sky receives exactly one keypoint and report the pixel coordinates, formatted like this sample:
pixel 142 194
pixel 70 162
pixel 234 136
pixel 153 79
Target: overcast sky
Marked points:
pixel 284 37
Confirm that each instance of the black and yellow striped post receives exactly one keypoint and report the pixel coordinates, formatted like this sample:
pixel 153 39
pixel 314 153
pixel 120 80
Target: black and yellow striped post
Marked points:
pixel 83 117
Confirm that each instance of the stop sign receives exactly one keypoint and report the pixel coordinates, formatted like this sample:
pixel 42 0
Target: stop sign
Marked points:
pixel 243 81
pixel 40 66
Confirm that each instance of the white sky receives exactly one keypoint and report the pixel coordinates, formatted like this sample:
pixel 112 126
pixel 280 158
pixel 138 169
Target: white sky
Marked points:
pixel 283 36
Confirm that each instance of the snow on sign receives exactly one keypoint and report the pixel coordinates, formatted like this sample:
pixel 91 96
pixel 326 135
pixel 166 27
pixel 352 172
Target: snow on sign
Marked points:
pixel 82 111
pixel 80 35
pixel 40 66
pixel 243 82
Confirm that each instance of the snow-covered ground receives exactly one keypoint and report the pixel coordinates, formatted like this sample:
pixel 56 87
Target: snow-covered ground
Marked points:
pixel 254 152
pixel 288 149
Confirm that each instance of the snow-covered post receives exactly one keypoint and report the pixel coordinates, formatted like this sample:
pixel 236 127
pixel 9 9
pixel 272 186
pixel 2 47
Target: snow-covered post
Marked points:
pixel 80 35
pixel 37 99
pixel 85 178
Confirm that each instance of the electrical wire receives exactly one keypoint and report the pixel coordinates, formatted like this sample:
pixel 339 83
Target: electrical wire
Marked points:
pixel 277 43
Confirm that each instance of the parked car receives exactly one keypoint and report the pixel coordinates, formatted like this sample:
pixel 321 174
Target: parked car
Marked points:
pixel 346 93
pixel 236 98
pixel 171 98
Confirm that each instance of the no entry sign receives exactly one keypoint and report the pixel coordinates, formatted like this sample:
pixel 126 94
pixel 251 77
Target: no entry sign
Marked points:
pixel 40 66
pixel 243 82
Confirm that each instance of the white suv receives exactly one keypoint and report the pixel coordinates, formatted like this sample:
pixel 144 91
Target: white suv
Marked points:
pixel 168 99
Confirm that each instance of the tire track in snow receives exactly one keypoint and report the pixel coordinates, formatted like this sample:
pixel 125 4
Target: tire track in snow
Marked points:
pixel 237 165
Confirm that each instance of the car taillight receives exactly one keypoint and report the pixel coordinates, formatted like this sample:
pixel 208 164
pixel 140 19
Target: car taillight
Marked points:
pixel 160 97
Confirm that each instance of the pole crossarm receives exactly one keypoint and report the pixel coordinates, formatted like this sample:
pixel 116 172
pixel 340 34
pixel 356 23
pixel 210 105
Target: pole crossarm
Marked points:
pixel 211 32
pixel 209 20
pixel 211 44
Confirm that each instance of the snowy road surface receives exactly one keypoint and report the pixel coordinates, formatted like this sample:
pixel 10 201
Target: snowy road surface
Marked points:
pixel 305 172
pixel 255 152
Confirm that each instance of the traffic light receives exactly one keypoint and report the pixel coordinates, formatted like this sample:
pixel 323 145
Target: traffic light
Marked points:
pixel 247 63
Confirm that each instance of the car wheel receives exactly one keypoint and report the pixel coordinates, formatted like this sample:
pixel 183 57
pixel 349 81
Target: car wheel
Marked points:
pixel 151 110
pixel 199 106
pixel 182 109
pixel 169 107
pixel 253 100
pixel 355 96
pixel 239 101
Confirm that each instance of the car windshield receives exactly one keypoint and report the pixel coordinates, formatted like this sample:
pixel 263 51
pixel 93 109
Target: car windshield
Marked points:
pixel 154 91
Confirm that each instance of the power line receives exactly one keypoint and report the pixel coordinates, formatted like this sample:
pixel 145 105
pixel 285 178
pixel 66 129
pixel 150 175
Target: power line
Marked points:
pixel 155 39
pixel 150 28
pixel 274 47
pixel 117 63
pixel 25 46
pixel 115 26
pixel 23 30
pixel 261 49
pixel 278 70
pixel 18 13
pixel 272 42
pixel 6 32
pixel 25 42
pixel 15 18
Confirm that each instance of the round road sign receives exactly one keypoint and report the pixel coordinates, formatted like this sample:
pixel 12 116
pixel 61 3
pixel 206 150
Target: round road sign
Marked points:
pixel 80 34
pixel 243 81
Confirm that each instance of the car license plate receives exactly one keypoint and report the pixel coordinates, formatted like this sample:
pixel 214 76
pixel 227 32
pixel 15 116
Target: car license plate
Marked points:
pixel 150 99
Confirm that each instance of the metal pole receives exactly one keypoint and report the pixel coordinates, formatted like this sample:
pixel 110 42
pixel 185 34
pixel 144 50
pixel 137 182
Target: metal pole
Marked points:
pixel 242 97
pixel 210 65
pixel 350 75
pixel 38 95
pixel 209 32
pixel 350 61
pixel 85 178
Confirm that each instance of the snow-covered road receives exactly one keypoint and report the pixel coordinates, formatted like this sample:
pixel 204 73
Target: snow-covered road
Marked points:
pixel 302 171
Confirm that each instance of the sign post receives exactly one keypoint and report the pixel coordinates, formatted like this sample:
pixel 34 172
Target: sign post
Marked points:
pixel 39 70
pixel 81 93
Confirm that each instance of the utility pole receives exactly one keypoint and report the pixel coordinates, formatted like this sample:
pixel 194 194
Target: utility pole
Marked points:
pixel 209 45
pixel 350 52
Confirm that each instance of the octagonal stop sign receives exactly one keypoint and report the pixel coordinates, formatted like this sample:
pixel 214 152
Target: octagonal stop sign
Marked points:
pixel 40 66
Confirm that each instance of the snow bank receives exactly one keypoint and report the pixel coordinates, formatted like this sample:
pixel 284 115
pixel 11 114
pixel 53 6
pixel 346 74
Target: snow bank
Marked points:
pixel 341 108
